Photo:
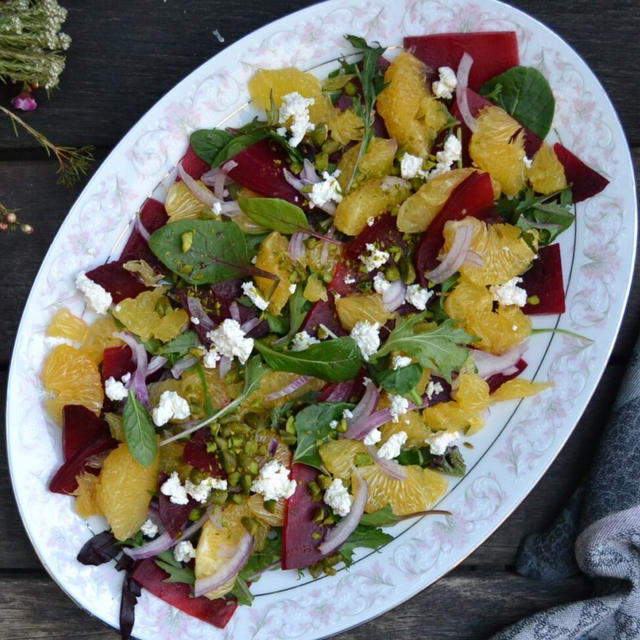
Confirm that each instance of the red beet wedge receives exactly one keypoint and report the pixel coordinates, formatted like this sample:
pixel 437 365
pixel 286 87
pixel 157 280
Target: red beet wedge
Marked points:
pixel 80 428
pixel 119 282
pixel 544 280
pixel 116 362
pixel 152 216
pixel 584 181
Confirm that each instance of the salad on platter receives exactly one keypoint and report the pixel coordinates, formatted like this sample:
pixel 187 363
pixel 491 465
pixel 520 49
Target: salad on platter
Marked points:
pixel 298 340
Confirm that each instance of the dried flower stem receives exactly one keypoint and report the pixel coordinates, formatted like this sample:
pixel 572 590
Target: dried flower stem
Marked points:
pixel 9 221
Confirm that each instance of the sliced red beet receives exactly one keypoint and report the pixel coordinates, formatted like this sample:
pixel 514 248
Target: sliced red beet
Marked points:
pixel 119 282
pixel 493 52
pixel 344 278
pixel 584 181
pixel 64 480
pixel 497 379
pixel 383 232
pixel 259 168
pixel 544 280
pixel 471 196
pixel 300 534
pixel 195 453
pixel 193 164
pixel 80 427
pixel 151 577
pixel 116 362
pixel 322 312
pixel 152 216
pixel 173 517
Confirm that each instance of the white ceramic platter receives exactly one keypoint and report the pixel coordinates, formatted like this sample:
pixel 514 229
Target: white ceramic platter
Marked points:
pixel 520 439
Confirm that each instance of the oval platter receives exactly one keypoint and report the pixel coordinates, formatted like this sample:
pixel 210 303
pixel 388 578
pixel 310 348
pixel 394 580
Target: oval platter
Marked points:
pixel 510 454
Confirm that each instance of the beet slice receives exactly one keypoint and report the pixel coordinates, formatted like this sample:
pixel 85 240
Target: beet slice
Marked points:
pixel 80 427
pixel 119 282
pixel 544 280
pixel 472 196
pixel 584 181
pixel 259 168
pixel 151 577
pixel 64 479
pixel 322 312
pixel 116 362
pixel 493 52
pixel 152 216
pixel 173 517
pixel 498 379
pixel 344 278
pixel 195 454
pixel 193 164
pixel 300 534
pixel 383 232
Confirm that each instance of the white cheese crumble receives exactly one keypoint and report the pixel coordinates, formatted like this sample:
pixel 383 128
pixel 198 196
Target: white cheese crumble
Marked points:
pixel 349 280
pixel 527 162
pixel 194 320
pixel 295 108
pixel 273 482
pixel 370 221
pixel 201 491
pixel 417 296
pixel 149 529
pixel 433 388
pixel 366 337
pixel 451 153
pixel 509 293
pixel 229 340
pixel 373 258
pixel 302 340
pixel 439 441
pixel 446 84
pixel 400 362
pixel 411 167
pixel 171 406
pixel 373 437
pixel 115 389
pixel 97 298
pixel 347 414
pixel 184 551
pixel 398 406
pixel 249 290
pixel 292 288
pixel 392 447
pixel 172 487
pixel 333 424
pixel 211 358
pixel 327 191
pixel 337 497
pixel 380 283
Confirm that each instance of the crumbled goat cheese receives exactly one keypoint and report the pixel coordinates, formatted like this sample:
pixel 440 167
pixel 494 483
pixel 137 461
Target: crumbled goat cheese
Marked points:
pixel 417 296
pixel 347 414
pixel 527 162
pixel 229 340
pixel 217 207
pixel 380 283
pixel 171 406
pixel 370 221
pixel 149 529
pixel 211 358
pixel 292 288
pixel 392 447
pixel 411 167
pixel 302 340
pixel 249 290
pixel 451 153
pixel 273 482
pixel 115 389
pixel 194 320
pixel 509 293
pixel 202 490
pixel 446 83
pixel 184 551
pixel 399 362
pixel 172 487
pixel 439 441
pixel 349 280
pixel 374 258
pixel 398 406
pixel 333 424
pixel 97 298
pixel 433 388
pixel 322 193
pixel 366 337
pixel 373 437
pixel 295 108
pixel 337 497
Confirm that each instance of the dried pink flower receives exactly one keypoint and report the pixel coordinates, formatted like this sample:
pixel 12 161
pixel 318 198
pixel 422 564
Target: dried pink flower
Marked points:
pixel 25 102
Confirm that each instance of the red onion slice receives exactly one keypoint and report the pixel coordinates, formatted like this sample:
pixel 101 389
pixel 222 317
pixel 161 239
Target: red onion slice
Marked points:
pixel 239 558
pixel 455 257
pixel 229 165
pixel 294 181
pixel 390 468
pixel 366 406
pixel 489 364
pixel 138 379
pixel 290 388
pixel 157 362
pixel 230 209
pixel 309 175
pixel 234 310
pixel 346 526
pixel 182 365
pixel 296 247
pixel 224 366
pixel 462 99
pixel 393 295
pixel 250 324
pixel 361 427
pixel 474 259
pixel 197 311
pixel 202 193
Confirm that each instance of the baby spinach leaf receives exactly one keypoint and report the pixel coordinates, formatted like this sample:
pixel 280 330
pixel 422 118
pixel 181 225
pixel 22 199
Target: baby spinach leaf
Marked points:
pixel 524 93
pixel 275 213
pixel 398 381
pixel 217 250
pixel 440 349
pixel 239 143
pixel 207 143
pixel 451 461
pixel 334 360
pixel 177 573
pixel 139 432
pixel 380 518
pixel 369 537
pixel 313 429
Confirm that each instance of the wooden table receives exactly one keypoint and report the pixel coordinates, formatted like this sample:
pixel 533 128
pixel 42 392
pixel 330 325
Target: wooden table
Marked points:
pixel 125 55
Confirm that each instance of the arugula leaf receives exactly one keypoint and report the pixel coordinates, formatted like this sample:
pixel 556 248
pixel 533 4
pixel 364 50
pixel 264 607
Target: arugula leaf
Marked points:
pixel 524 93
pixel 362 536
pixel 218 250
pixel 298 307
pixel 397 381
pixel 451 461
pixel 174 349
pixel 275 213
pixel 313 429
pixel 277 324
pixel 335 360
pixel 439 349
pixel 207 143
pixel 380 518
pixel 208 407
pixel 281 412
pixel 177 573
pixel 241 592
pixel 139 431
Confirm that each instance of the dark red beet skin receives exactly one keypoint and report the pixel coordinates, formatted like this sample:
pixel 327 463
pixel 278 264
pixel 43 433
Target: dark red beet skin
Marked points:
pixel 80 427
pixel 151 577
pixel 584 181
pixel 544 280
pixel 193 164
pixel 497 379
pixel 322 312
pixel 195 454
pixel 116 362
pixel 173 517
pixel 152 216
pixel 119 282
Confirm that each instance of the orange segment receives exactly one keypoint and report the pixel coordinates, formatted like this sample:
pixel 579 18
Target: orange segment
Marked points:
pixel 345 126
pixel 376 162
pixel 361 307
pixel 337 456
pixel 65 325
pixel 86 503
pixel 518 388
pixel 546 174
pixel 273 257
pixel 180 203
pixel 99 337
